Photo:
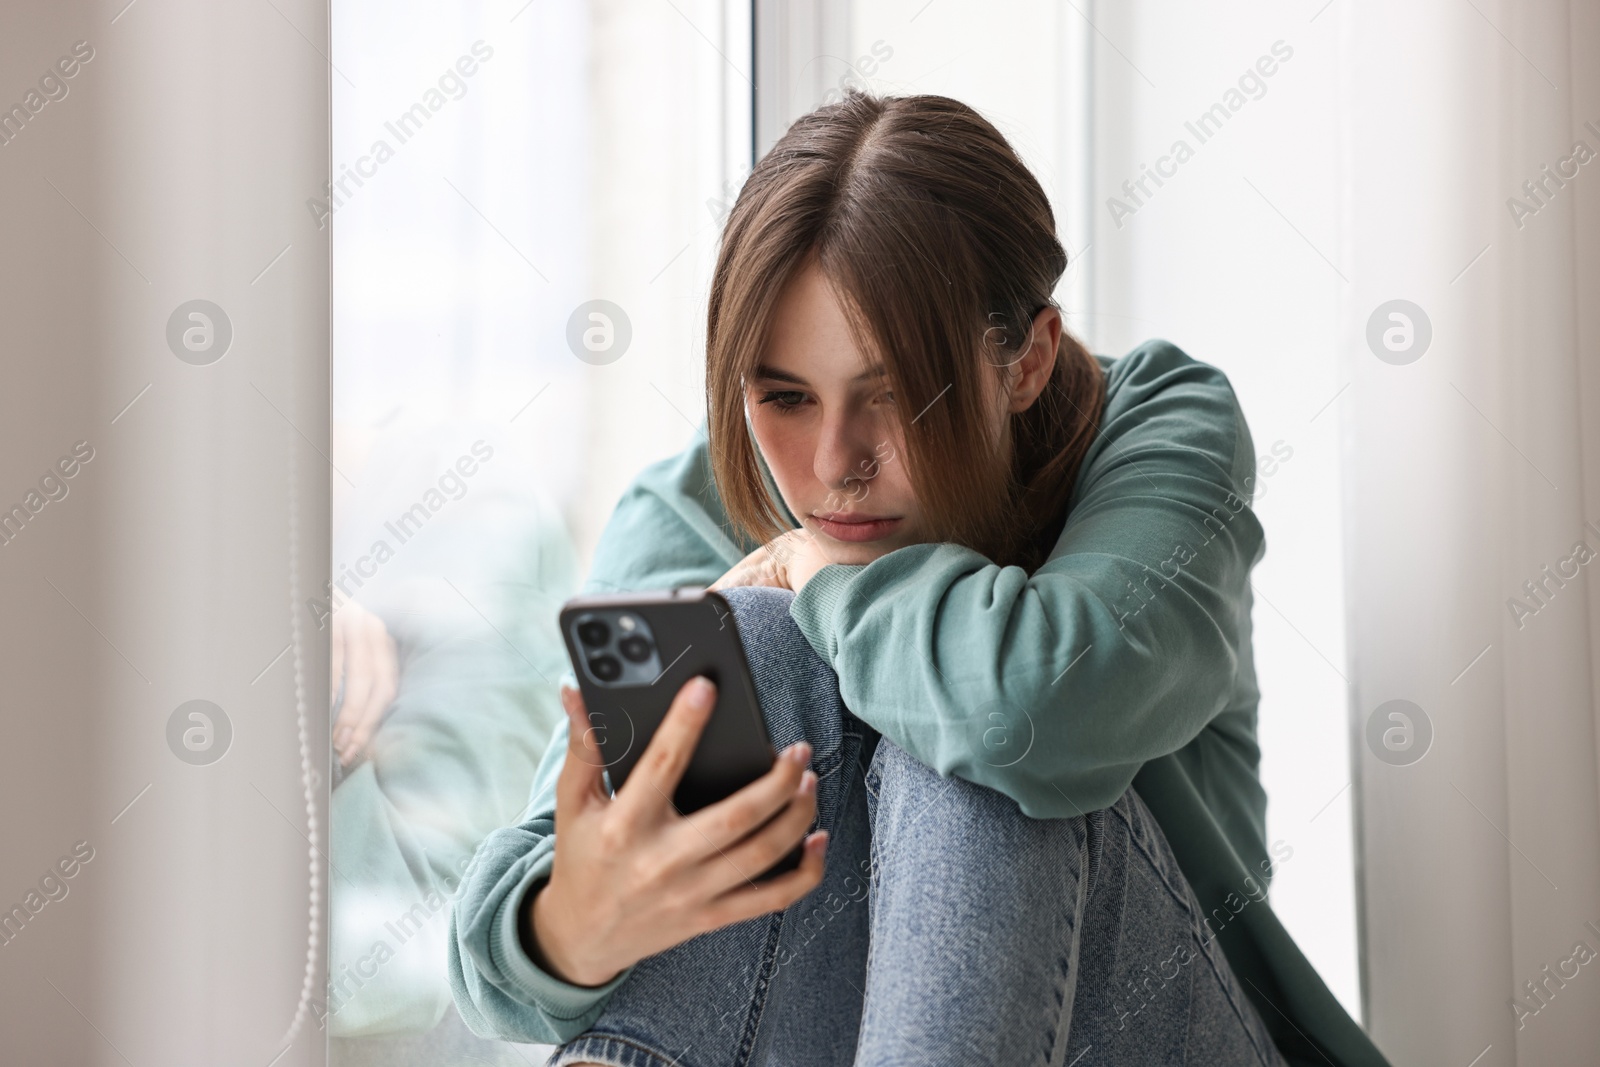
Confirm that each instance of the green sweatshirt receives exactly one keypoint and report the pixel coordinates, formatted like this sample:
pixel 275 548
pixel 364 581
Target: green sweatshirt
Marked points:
pixel 1123 660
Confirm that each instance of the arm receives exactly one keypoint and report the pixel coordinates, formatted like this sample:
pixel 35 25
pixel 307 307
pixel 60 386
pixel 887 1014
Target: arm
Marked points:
pixel 630 876
pixel 498 988
pixel 667 530
pixel 1055 688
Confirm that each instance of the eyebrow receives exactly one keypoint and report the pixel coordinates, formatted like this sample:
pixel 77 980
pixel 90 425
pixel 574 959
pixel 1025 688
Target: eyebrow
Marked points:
pixel 775 375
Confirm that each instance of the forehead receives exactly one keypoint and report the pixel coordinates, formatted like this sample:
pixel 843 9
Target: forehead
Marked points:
pixel 810 336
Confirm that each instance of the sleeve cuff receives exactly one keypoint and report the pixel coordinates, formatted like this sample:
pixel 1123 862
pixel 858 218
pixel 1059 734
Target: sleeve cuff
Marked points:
pixel 558 999
pixel 816 605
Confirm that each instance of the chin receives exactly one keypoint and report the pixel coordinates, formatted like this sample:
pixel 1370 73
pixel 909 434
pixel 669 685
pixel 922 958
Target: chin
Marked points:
pixel 857 552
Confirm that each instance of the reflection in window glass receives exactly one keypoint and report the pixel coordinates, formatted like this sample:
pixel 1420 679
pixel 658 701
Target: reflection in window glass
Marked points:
pixel 524 213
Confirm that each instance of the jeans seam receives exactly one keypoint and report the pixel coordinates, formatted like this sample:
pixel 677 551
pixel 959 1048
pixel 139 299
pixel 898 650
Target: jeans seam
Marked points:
pixel 831 767
pixel 1160 870
pixel 758 997
pixel 1068 982
pixel 1205 946
pixel 1238 1009
pixel 628 1050
pixel 1094 835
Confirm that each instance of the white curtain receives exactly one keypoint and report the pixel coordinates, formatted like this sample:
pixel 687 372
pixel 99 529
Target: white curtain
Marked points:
pixel 1472 470
pixel 1442 461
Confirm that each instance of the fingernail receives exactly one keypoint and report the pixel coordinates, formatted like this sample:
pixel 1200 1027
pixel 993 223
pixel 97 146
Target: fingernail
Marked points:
pixel 799 752
pixel 817 842
pixel 702 694
pixel 808 783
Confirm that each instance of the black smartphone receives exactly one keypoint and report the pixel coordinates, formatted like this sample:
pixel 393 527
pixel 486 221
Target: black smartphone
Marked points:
pixel 632 652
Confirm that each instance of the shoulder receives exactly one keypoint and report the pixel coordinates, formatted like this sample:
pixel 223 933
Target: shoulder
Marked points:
pixel 1159 400
pixel 686 474
pixel 1158 366
pixel 669 528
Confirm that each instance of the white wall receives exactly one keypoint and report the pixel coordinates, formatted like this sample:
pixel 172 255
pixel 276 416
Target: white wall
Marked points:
pixel 1471 469
pixel 1236 260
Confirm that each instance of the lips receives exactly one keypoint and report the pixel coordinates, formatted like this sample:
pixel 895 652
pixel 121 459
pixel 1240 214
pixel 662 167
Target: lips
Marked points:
pixel 844 526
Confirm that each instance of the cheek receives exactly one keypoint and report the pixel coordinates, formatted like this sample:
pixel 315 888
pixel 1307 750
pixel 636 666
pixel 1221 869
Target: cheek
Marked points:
pixel 787 447
pixel 895 483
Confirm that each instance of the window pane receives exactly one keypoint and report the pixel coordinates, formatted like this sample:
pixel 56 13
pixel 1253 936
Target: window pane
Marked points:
pixel 504 174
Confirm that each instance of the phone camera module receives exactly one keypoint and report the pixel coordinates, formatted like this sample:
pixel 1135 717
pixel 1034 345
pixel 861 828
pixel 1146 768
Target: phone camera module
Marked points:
pixel 613 646
pixel 594 633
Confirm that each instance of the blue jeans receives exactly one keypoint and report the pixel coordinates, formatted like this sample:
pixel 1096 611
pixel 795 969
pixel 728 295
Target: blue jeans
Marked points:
pixel 949 928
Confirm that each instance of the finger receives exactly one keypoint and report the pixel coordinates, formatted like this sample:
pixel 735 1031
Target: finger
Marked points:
pixel 748 901
pixel 336 660
pixel 347 710
pixel 743 862
pixel 357 691
pixel 382 675
pixel 748 571
pixel 360 689
pixel 388 675
pixel 650 785
pixel 579 785
pixel 738 574
pixel 717 826
pixel 343 727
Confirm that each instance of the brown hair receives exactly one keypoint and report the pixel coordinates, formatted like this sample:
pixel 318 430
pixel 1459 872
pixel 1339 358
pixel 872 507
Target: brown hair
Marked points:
pixel 943 247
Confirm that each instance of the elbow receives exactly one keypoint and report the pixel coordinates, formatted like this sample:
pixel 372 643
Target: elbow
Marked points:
pixel 1072 796
pixel 1053 765
pixel 1045 789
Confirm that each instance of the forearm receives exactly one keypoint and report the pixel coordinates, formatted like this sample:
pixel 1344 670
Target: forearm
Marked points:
pixel 1041 688
pixel 499 988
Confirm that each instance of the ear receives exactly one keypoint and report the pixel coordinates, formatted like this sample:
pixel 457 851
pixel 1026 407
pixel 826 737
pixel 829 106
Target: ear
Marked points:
pixel 1031 371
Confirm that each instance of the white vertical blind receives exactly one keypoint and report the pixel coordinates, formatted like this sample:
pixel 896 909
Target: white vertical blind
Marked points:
pixel 166 312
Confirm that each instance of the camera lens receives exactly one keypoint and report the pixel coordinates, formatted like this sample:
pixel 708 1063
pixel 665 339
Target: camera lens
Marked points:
pixel 636 647
pixel 606 668
pixel 594 633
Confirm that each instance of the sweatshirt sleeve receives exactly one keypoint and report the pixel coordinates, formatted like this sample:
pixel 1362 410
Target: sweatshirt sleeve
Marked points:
pixel 1054 688
pixel 668 530
pixel 498 989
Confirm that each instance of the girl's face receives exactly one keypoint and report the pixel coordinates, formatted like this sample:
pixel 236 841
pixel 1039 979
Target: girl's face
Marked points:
pixel 828 427
pixel 832 434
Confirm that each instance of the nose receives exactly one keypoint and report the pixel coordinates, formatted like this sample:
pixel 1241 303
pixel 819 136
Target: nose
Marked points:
pixel 844 452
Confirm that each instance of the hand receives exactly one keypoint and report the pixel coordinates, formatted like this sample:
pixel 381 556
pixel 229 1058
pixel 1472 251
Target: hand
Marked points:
pixel 632 877
pixel 788 561
pixel 364 657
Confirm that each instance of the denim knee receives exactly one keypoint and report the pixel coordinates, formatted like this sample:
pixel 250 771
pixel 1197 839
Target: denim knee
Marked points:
pixel 798 691
pixel 892 768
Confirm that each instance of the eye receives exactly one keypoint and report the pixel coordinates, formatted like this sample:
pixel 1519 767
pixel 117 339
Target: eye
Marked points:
pixel 784 399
